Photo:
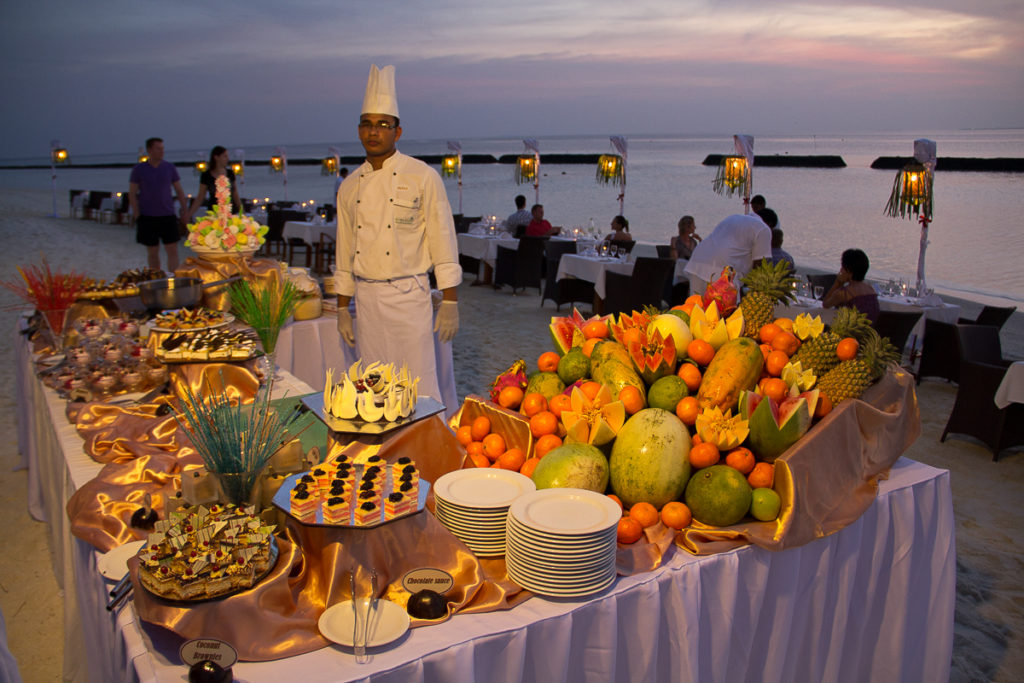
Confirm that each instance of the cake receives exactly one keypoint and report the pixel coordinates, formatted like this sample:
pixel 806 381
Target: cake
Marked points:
pixel 188 319
pixel 203 552
pixel 221 230
pixel 379 393
pixel 207 345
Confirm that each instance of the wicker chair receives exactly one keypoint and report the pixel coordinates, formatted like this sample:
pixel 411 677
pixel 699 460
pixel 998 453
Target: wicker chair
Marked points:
pixel 646 286
pixel 975 413
pixel 991 315
pixel 566 290
pixel 940 354
pixel 323 253
pixel 521 267
pixel 897 326
pixel 822 280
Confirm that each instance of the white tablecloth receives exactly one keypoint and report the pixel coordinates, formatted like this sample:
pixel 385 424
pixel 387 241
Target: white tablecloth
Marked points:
pixel 483 247
pixel 307 232
pixel 593 268
pixel 1011 389
pixel 308 347
pixel 872 602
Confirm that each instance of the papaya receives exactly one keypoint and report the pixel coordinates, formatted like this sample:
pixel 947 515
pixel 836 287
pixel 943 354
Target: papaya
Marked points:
pixel 735 367
pixel 616 375
pixel 608 350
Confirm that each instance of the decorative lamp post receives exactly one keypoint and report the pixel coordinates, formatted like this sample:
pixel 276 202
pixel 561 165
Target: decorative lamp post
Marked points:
pixel 58 155
pixel 611 168
pixel 735 171
pixel 912 195
pixel 279 164
pixel 528 167
pixel 451 165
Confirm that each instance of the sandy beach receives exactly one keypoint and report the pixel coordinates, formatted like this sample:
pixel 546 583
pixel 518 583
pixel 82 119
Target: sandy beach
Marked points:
pixel 496 329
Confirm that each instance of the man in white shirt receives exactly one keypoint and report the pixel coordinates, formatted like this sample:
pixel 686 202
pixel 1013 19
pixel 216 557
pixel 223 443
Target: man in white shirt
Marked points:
pixel 516 223
pixel 739 241
pixel 394 225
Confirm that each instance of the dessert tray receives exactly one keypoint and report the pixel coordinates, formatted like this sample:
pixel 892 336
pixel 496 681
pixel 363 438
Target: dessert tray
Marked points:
pixel 234 591
pixel 425 407
pixel 210 345
pixel 190 319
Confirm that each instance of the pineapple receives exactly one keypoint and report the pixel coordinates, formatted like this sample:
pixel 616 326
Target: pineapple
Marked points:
pixel 819 353
pixel 850 378
pixel 766 285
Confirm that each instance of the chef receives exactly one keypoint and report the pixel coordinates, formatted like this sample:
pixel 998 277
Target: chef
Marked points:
pixel 394 225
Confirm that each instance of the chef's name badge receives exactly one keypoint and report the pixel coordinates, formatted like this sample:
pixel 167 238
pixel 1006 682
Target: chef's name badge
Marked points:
pixel 428 578
pixel 208 649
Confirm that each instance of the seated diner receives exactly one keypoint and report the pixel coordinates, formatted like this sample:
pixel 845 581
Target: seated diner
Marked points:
pixel 850 289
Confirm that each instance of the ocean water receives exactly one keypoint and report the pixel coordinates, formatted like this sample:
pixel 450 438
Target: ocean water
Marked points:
pixel 974 251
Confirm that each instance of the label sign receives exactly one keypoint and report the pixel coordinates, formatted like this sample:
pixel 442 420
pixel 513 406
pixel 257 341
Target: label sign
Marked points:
pixel 428 578
pixel 203 649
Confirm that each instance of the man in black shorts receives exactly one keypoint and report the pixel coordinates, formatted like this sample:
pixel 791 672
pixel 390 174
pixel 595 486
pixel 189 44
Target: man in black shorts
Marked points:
pixel 153 207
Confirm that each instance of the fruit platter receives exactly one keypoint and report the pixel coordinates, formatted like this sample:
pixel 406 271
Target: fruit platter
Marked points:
pixel 700 418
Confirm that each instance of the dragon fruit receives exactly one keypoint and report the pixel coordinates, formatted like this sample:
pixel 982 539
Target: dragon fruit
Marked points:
pixel 723 291
pixel 515 376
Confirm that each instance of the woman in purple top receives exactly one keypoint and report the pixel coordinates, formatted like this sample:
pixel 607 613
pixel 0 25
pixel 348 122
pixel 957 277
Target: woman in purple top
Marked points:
pixel 849 289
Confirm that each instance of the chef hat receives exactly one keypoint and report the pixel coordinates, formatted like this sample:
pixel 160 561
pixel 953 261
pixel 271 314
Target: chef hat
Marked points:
pixel 380 92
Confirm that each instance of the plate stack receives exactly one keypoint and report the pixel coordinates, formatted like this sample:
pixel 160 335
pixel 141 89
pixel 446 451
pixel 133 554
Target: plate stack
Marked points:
pixel 562 542
pixel 473 504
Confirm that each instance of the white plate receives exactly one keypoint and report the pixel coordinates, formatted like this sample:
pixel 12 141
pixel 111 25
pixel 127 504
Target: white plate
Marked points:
pixel 541 588
pixel 113 564
pixel 546 539
pixel 561 580
pixel 572 512
pixel 483 487
pixel 388 622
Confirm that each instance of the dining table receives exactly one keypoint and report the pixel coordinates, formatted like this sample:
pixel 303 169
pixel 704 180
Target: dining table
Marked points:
pixel 307 231
pixel 872 601
pixel 592 268
pixel 1011 389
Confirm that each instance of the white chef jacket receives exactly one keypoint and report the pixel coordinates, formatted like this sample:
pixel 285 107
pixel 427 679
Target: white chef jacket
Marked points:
pixel 739 241
pixel 392 223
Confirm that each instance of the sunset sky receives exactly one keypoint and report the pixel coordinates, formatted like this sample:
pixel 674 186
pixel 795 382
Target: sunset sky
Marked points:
pixel 103 75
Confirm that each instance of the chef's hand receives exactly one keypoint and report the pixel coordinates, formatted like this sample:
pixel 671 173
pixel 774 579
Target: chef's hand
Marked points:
pixel 447 322
pixel 345 326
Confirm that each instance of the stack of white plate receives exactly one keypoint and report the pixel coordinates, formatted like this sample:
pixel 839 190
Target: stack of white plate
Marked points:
pixel 562 542
pixel 473 504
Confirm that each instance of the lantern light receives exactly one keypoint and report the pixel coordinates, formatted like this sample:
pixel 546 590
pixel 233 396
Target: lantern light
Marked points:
pixel 912 195
pixel 58 156
pixel 732 176
pixel 449 165
pixel 279 164
pixel 331 164
pixel 237 168
pixel 142 156
pixel 526 169
pixel 201 166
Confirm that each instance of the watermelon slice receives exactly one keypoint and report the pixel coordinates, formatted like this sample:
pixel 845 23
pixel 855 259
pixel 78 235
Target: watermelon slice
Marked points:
pixel 774 427
pixel 567 332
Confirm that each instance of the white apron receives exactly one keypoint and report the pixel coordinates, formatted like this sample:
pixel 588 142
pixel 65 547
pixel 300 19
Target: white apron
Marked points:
pixel 394 323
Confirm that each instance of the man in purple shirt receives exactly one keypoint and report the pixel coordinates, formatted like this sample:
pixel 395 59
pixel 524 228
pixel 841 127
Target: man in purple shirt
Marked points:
pixel 153 207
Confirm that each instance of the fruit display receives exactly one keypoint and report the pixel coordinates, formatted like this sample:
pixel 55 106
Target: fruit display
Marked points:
pixel 681 415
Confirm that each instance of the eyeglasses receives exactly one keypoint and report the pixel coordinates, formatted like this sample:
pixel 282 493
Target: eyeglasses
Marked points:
pixel 379 125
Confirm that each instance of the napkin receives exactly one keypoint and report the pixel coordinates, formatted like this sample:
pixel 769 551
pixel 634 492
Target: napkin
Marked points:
pixel 931 299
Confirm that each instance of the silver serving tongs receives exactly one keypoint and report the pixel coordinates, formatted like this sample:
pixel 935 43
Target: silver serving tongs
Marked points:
pixel 359 647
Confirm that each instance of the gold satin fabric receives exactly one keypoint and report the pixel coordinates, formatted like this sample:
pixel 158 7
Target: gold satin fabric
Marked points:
pixel 829 478
pixel 221 266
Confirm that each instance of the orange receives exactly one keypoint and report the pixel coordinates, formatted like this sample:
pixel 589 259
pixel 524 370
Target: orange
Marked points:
pixel 768 332
pixel 545 445
pixel 590 389
pixel 588 346
pixel 686 308
pixel 765 350
pixel 676 515
pixel 687 410
pixel 496 465
pixel 741 460
pixel 690 374
pixel 548 361
pixel 633 334
pixel 529 465
pixel 824 406
pixel 475 448
pixel 704 454
pixel 700 351
pixel 543 423
pixel 775 362
pixel 631 399
pixel 645 513
pixel 618 501
pixel 464 435
pixel 533 403
pixel 480 460
pixel 847 349
pixel 775 388
pixel 558 403
pixel 695 300
pixel 629 531
pixel 785 323
pixel 695 439
pixel 785 342
pixel 512 459
pixel 480 428
pixel 510 397
pixel 595 329
pixel 762 475
pixel 494 445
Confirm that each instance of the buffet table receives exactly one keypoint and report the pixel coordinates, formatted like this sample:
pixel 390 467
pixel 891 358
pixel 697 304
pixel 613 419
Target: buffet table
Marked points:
pixel 873 601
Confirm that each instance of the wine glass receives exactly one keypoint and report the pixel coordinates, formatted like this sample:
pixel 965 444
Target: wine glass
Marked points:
pixel 819 292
